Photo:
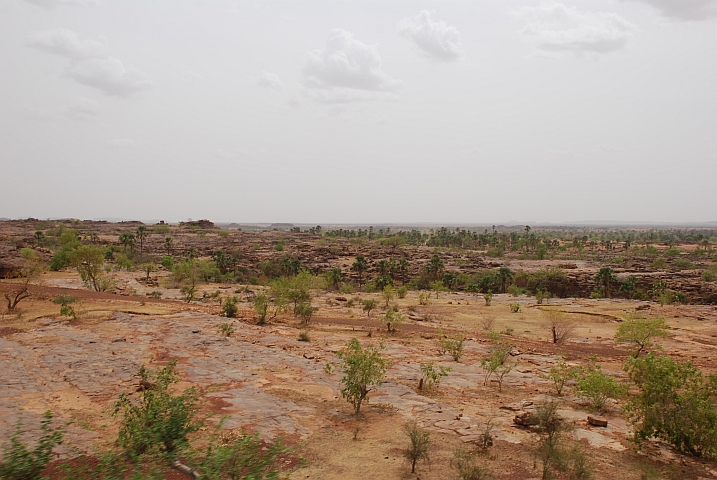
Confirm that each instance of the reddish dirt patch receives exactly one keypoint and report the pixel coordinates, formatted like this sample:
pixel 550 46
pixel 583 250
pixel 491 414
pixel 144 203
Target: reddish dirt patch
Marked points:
pixel 7 331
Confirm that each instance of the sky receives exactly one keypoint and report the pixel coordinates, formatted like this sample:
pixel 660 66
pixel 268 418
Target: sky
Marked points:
pixel 388 111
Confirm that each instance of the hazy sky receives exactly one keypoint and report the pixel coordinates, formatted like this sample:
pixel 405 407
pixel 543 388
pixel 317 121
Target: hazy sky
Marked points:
pixel 359 111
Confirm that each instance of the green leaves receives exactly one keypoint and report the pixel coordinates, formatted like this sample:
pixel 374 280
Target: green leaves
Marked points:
pixel 363 369
pixel 674 404
pixel 20 462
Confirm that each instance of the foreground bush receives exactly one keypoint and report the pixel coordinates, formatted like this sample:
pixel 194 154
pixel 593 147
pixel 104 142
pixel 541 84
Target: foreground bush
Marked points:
pixel 674 404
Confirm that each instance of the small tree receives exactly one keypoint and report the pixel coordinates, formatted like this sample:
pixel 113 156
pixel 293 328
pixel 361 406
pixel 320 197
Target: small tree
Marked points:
pixel 33 268
pixel 388 293
pixel 363 369
pixel 598 388
pixel 420 440
pixel 488 297
pixel 674 403
pixel 642 332
pixel 159 421
pixel 89 261
pixel 230 307
pixel 360 266
pixel 261 306
pixel 453 345
pixel 20 461
pixel 334 277
pixel 498 363
pixel 141 235
pixel 431 376
pixel 393 320
pixel 560 374
pixel 148 267
pixel 559 326
pixel 305 311
pixel 369 305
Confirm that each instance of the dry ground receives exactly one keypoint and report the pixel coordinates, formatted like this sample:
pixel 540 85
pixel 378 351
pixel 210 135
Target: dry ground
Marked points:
pixel 264 379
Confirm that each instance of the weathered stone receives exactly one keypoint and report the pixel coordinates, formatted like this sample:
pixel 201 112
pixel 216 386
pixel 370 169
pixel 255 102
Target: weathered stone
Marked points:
pixel 597 421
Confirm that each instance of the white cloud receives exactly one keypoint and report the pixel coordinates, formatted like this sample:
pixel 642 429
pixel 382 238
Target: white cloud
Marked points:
pixel 685 9
pixel 33 113
pixel 109 75
pixel 83 109
pixel 555 28
pixel 436 39
pixel 270 80
pixel 58 3
pixel 91 64
pixel 346 70
pixel 122 143
pixel 65 42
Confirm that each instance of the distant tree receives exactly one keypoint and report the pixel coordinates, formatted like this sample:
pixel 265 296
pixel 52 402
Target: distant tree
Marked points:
pixel 435 267
pixel 168 244
pixel 141 235
pixel 504 277
pixel 33 268
pixel 605 278
pixel 127 239
pixel 369 305
pixel 629 285
pixel 360 266
pixel 334 277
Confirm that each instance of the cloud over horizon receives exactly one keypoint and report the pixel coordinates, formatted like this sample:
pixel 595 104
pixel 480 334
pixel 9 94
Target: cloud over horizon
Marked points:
pixel 271 80
pixel 684 9
pixel 344 68
pixel 555 28
pixel 435 39
pixel 92 65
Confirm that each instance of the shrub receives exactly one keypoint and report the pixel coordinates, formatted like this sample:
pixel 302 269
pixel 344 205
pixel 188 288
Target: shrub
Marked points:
pixel 674 403
pixel 305 311
pixel 541 295
pixel 560 373
pixel 388 294
pixel 487 323
pixel 641 332
pixel 230 307
pixel 140 431
pixel 466 467
pixel 66 309
pixel 368 305
pixel 393 320
pixel 370 287
pixel 346 289
pixel 514 307
pixel 552 451
pixel 659 263
pixel 304 336
pixel 363 369
pixel 247 457
pixel 226 329
pixel 431 376
pixel 498 363
pixel 261 307
pixel 488 297
pixel 167 262
pixel 598 388
pixel 452 345
pixel 402 291
pixel 20 461
pixel 424 298
pixel 420 440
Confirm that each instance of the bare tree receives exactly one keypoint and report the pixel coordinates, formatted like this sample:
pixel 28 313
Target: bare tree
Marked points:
pixel 560 327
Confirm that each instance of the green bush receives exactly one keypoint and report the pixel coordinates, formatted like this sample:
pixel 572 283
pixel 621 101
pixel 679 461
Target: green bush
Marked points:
pixel 597 387
pixel 431 376
pixel 674 403
pixel 514 307
pixel 641 332
pixel 20 461
pixel 140 431
pixel 363 369
pixel 167 262
pixel 230 307
pixel 452 345
pixel 402 291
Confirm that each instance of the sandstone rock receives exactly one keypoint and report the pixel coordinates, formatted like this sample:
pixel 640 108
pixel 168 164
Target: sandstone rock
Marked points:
pixel 597 421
